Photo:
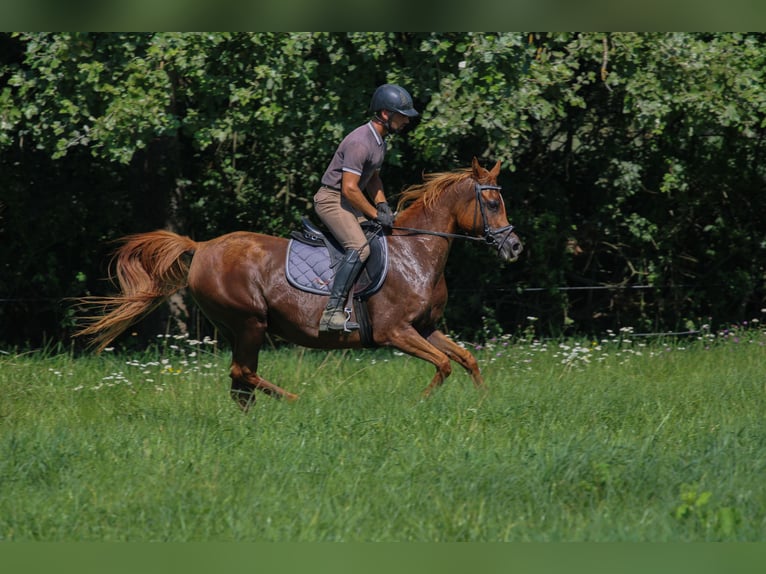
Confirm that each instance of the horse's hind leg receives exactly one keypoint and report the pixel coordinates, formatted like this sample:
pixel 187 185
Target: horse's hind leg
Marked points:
pixel 245 379
pixel 242 391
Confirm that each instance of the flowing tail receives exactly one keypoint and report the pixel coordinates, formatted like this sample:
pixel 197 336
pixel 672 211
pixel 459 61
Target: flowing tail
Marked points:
pixel 149 267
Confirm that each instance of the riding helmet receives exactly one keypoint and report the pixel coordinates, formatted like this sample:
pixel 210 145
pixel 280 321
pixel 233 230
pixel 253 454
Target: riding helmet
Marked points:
pixel 394 98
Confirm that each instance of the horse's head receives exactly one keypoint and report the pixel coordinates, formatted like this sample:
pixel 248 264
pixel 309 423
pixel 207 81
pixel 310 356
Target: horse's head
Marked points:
pixel 484 212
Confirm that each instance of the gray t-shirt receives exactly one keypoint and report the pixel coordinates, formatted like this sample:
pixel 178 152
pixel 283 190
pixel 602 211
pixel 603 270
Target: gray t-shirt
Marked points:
pixel 361 152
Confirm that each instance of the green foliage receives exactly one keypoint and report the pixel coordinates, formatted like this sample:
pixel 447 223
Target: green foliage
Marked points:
pixel 630 159
pixel 695 508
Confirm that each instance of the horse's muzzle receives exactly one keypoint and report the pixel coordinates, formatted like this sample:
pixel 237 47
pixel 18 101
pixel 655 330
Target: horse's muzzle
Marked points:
pixel 509 246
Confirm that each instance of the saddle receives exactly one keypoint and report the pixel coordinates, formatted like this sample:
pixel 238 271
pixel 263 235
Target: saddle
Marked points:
pixel 313 255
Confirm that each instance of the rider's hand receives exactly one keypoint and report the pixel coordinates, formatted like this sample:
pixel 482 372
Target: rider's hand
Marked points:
pixel 385 216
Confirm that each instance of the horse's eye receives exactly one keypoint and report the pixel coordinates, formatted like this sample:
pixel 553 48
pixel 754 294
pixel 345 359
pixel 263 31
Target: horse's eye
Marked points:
pixel 493 204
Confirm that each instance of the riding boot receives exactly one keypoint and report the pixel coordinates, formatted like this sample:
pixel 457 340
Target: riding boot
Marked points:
pixel 334 317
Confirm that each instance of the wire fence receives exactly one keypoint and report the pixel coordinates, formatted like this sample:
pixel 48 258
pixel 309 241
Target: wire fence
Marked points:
pixel 491 290
pixel 48 305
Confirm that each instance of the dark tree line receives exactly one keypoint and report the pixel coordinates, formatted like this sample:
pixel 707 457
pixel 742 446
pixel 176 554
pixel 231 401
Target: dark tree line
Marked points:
pixel 633 162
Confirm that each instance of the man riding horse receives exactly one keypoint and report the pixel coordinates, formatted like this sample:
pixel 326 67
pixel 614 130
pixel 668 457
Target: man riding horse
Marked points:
pixel 341 202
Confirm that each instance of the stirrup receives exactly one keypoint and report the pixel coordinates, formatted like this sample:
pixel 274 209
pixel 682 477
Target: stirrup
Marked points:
pixel 349 325
pixel 327 323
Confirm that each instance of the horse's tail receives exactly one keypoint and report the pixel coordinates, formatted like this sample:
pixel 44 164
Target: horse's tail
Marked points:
pixel 149 267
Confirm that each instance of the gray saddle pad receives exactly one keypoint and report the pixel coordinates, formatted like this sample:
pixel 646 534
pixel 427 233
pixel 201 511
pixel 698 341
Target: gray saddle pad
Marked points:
pixel 312 267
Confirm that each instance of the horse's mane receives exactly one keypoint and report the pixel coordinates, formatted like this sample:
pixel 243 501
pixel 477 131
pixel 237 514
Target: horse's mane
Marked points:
pixel 432 187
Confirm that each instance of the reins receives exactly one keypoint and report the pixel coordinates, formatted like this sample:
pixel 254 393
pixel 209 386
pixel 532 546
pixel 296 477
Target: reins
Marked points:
pixel 415 231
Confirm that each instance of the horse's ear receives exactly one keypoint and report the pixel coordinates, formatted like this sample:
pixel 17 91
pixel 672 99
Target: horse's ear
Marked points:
pixel 495 171
pixel 481 174
pixel 478 171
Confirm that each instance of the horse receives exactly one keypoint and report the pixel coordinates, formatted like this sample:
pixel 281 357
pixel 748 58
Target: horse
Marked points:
pixel 238 281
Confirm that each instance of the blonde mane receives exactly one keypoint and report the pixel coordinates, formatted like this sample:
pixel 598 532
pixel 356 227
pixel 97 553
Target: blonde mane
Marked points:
pixel 432 187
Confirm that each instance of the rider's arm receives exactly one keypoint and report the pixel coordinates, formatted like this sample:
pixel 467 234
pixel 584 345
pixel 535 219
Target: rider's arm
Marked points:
pixel 375 189
pixel 355 196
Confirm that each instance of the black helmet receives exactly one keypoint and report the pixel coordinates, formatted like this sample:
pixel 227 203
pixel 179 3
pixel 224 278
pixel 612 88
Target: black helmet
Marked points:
pixel 394 98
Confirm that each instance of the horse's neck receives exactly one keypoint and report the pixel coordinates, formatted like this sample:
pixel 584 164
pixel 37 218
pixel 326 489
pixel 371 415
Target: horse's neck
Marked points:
pixel 418 217
pixel 430 251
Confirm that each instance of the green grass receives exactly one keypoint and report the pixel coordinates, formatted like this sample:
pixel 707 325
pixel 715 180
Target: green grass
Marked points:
pixel 576 441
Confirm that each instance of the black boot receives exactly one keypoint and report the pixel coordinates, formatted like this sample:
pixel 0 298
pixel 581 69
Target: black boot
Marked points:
pixel 334 317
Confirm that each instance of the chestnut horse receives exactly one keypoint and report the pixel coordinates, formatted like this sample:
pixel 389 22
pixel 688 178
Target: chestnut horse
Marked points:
pixel 238 280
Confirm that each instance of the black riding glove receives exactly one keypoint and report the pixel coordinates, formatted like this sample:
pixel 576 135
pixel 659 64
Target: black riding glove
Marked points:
pixel 385 216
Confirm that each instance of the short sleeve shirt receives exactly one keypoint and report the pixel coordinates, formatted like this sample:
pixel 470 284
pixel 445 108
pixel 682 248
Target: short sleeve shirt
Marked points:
pixel 361 152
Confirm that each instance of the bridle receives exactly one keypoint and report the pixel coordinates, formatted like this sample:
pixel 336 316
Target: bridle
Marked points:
pixel 490 235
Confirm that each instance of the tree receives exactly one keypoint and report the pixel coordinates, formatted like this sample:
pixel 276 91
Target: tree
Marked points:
pixel 630 160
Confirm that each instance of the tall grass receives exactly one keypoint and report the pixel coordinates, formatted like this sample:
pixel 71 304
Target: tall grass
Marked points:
pixel 605 440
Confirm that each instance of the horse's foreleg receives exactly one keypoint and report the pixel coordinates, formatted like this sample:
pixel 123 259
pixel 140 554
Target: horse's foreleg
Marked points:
pixel 412 343
pixel 461 356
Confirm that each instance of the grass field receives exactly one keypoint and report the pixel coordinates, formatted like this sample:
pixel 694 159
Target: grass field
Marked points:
pixel 608 440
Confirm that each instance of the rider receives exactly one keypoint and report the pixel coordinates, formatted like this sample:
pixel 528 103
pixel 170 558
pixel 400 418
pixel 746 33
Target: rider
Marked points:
pixel 341 202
